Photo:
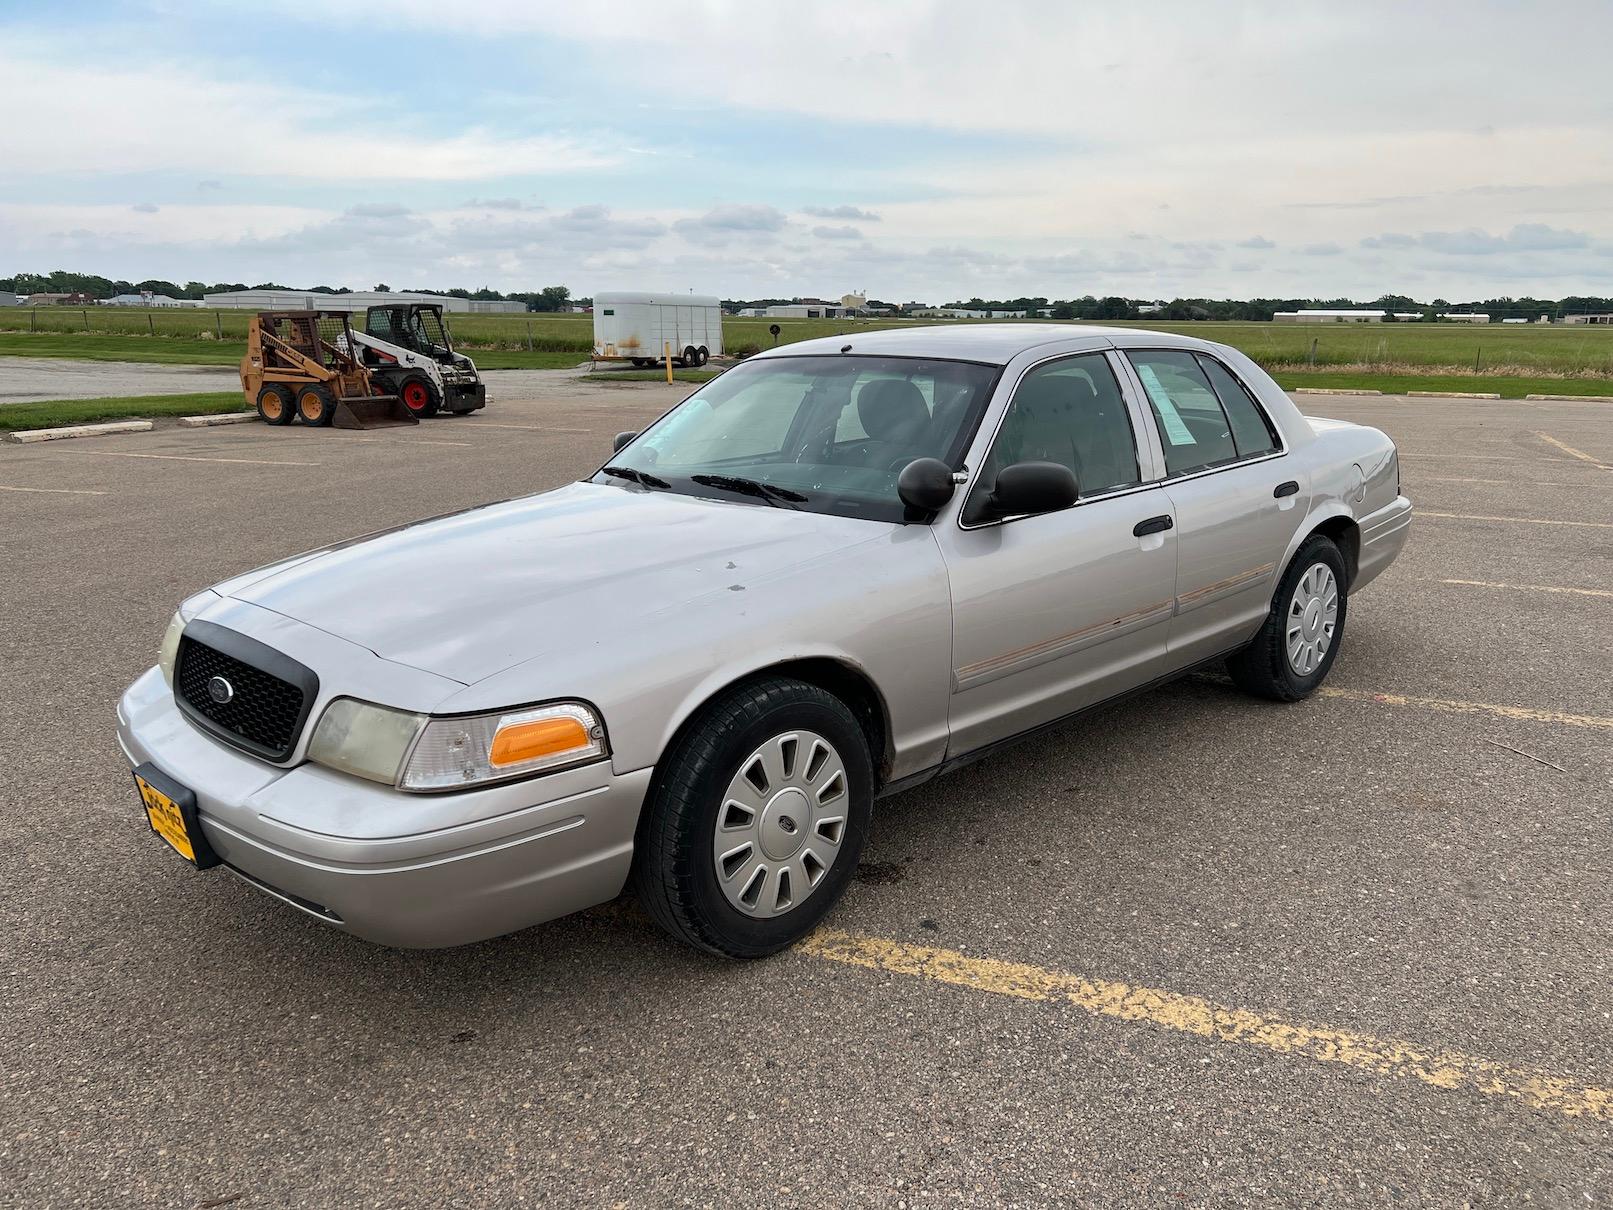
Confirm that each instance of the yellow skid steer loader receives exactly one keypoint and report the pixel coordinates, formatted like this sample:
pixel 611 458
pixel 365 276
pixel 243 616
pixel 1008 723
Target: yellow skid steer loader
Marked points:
pixel 301 364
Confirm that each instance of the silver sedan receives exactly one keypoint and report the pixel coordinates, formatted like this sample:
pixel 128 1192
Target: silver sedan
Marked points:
pixel 841 568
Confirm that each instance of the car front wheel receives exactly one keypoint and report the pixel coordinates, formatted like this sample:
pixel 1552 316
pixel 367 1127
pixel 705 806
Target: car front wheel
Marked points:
pixel 1299 641
pixel 756 819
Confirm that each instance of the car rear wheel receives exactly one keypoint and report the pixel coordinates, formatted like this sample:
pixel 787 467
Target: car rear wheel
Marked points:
pixel 1299 641
pixel 274 404
pixel 756 819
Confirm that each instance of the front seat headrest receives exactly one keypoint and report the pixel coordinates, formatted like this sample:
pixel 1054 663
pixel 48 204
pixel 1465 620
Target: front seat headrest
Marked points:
pixel 892 410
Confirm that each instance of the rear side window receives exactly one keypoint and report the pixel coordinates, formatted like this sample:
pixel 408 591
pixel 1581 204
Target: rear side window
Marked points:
pixel 1192 425
pixel 1250 429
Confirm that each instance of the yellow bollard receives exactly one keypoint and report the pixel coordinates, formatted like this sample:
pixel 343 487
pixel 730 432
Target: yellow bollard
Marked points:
pixel 666 352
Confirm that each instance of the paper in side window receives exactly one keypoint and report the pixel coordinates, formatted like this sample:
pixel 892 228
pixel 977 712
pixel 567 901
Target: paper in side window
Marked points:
pixel 1175 431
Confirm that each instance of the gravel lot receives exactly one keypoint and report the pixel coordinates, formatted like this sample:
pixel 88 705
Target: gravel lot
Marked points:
pixel 1395 900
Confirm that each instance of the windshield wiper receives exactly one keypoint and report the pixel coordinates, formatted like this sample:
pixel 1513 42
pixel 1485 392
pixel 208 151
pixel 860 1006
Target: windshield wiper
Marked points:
pixel 779 497
pixel 634 475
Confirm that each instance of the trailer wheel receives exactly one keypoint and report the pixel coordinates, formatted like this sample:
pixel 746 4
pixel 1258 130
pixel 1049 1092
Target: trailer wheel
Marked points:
pixel 689 358
pixel 702 355
pixel 274 404
pixel 316 406
pixel 420 395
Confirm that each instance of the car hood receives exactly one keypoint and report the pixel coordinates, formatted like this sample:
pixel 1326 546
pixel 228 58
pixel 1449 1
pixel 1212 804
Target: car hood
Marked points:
pixel 473 593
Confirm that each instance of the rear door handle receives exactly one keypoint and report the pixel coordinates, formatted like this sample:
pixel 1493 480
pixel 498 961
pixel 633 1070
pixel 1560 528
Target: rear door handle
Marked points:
pixel 1291 488
pixel 1154 525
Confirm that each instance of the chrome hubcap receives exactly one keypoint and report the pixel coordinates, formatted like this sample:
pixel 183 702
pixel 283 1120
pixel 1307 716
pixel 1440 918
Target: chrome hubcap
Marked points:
pixel 1313 615
pixel 781 823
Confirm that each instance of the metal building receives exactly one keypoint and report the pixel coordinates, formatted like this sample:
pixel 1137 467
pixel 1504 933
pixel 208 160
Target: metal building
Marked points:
pixel 307 300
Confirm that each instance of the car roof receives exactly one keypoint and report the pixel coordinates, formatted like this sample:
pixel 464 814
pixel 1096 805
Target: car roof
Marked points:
pixel 991 343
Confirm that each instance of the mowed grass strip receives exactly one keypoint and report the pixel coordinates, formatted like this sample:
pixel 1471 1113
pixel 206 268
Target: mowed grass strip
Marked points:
pixel 1507 386
pixel 20 417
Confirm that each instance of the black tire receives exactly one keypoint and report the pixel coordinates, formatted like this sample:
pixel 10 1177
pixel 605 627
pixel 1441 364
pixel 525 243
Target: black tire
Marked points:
pixel 419 394
pixel 275 404
pixel 642 362
pixel 674 869
pixel 701 356
pixel 1264 668
pixel 316 405
pixel 690 358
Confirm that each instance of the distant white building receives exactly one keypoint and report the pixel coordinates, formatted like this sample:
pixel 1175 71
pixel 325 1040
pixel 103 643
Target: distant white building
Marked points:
pixel 362 300
pixel 797 311
pixel 8 299
pixel 147 299
pixel 1465 317
pixel 1321 315
pixel 1604 318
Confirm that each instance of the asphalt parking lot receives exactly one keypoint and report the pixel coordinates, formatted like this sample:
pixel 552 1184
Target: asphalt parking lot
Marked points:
pixel 1197 950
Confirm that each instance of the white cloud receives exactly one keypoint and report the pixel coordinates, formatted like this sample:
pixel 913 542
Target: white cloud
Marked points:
pixel 170 117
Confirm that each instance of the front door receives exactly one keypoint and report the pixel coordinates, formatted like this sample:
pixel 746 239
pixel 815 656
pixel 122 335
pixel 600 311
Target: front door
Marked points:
pixel 1054 612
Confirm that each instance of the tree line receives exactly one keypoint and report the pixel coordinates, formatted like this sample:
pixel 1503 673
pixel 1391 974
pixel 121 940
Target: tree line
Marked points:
pixel 550 298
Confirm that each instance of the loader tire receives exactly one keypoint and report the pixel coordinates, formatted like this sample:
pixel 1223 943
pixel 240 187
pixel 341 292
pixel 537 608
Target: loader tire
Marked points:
pixel 274 404
pixel 420 395
pixel 316 406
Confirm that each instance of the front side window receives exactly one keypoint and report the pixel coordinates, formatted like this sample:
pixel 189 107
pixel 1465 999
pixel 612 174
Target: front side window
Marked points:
pixel 830 433
pixel 1070 412
pixel 1192 425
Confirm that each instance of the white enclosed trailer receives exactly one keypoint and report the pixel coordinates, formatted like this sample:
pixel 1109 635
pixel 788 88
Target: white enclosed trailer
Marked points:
pixel 637 327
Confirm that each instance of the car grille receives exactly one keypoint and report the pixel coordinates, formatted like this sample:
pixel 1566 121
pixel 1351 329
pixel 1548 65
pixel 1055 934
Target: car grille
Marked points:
pixel 265 713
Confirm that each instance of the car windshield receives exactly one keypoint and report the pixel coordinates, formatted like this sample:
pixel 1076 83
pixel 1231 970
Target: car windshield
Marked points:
pixel 822 434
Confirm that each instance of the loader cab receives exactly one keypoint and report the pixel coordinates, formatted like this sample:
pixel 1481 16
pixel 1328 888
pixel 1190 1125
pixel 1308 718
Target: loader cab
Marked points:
pixel 418 327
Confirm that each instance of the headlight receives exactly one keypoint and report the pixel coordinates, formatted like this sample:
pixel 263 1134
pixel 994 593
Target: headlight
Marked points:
pixel 475 749
pixel 169 651
pixel 364 740
pixel 415 752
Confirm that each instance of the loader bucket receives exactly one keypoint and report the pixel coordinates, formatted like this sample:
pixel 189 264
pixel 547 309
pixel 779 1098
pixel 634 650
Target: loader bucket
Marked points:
pixel 372 412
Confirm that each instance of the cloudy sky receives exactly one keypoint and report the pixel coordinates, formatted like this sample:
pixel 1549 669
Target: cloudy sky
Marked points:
pixel 923 150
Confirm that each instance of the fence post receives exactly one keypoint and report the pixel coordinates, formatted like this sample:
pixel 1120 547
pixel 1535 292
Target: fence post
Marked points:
pixel 529 336
pixel 1313 350
pixel 85 315
pixel 33 320
pixel 218 325
pixel 1477 353
pixel 151 328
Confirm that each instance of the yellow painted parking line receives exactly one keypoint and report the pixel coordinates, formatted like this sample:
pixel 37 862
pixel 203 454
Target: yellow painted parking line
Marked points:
pixel 1422 512
pixel 1454 706
pixel 193 458
pixel 1438 1066
pixel 1572 452
pixel 1583 592
pixel 53 491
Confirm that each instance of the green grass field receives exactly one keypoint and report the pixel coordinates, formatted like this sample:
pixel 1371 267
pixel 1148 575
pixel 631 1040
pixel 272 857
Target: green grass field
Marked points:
pixel 16 417
pixel 1523 351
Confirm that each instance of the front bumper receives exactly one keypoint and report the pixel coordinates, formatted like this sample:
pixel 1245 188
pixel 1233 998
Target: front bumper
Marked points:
pixel 408 870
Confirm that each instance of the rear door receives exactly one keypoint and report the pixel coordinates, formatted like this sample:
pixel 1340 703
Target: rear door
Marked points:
pixel 1235 496
pixel 1054 612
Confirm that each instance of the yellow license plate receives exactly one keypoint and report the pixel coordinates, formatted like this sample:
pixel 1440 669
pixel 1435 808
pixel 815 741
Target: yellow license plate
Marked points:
pixel 166 819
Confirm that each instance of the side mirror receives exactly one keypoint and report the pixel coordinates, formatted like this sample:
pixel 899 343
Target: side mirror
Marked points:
pixel 1031 487
pixel 620 440
pixel 925 484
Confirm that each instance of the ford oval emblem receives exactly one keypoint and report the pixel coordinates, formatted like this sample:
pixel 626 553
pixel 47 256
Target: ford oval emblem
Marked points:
pixel 221 691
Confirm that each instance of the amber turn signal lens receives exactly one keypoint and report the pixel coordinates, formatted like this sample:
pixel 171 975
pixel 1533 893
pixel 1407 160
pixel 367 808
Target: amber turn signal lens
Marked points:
pixel 542 737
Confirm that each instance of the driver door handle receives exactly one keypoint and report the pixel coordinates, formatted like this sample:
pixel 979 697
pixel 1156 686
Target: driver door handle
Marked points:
pixel 1154 525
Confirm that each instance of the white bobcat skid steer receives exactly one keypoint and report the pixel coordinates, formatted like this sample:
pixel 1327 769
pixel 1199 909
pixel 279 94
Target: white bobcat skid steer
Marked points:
pixel 407 349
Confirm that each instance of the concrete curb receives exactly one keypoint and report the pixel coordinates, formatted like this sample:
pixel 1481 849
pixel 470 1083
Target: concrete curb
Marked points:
pixel 197 422
pixel 81 430
pixel 1335 391
pixel 1573 398
pixel 1453 394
